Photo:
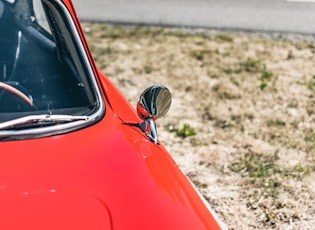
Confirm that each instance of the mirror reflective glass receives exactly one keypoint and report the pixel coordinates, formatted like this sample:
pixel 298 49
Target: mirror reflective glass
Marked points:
pixel 154 102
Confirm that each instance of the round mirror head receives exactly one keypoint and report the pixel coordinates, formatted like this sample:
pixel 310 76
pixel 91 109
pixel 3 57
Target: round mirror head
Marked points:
pixel 154 102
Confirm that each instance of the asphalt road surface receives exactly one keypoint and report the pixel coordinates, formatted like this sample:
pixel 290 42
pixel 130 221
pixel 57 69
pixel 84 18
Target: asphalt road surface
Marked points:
pixel 250 15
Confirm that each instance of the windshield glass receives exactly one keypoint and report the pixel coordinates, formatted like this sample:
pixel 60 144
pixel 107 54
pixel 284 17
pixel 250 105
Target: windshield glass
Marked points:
pixel 43 68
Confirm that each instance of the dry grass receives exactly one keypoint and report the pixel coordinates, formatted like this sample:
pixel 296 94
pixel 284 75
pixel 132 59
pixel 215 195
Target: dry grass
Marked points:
pixel 243 115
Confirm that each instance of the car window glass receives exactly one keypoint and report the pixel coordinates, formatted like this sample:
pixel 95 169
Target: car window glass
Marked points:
pixel 42 73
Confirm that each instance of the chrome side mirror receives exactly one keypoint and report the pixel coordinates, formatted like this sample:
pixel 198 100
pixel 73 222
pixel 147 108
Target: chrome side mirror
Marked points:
pixel 153 103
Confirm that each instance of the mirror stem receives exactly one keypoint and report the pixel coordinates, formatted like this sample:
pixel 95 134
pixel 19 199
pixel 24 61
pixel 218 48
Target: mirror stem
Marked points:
pixel 149 128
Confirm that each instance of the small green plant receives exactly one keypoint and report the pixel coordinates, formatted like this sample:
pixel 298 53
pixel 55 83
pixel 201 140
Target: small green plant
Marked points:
pixel 262 171
pixel 275 123
pixel 266 77
pixel 224 37
pixel 228 71
pixel 201 55
pixel 310 138
pixel 251 65
pixel 254 66
pixel 185 131
pixel 298 171
pixel 254 166
pixel 259 172
pixel 311 84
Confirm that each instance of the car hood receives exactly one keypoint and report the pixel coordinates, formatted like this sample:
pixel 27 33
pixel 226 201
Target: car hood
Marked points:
pixel 109 173
pixel 53 210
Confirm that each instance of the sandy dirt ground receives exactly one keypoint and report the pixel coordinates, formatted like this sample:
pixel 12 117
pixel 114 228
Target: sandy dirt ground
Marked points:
pixel 242 121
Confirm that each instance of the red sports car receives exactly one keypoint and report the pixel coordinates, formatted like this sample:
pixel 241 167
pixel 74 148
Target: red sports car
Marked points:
pixel 73 153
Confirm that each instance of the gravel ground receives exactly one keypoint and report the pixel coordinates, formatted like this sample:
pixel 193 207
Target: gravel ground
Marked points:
pixel 241 125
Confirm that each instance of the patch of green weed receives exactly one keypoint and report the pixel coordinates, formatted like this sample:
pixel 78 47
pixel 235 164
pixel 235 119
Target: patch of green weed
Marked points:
pixel 224 37
pixel 275 123
pixel 201 55
pixel 184 131
pixel 311 84
pixel 254 166
pixel 251 65
pixel 265 173
pixel 266 77
pixel 310 138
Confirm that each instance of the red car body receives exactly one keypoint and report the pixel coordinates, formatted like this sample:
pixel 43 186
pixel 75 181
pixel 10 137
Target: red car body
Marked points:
pixel 107 175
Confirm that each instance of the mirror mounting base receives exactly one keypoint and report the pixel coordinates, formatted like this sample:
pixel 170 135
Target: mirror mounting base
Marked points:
pixel 149 128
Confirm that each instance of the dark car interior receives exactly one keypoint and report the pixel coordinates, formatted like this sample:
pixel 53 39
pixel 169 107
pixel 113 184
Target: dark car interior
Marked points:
pixel 39 72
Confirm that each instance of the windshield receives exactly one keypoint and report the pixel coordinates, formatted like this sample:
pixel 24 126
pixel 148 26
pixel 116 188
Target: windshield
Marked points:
pixel 43 67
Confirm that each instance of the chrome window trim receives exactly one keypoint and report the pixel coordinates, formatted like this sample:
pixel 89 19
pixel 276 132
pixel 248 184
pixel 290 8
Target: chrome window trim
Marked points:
pixel 71 126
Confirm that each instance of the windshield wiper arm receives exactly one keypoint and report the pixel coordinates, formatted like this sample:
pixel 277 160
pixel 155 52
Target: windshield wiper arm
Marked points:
pixel 39 119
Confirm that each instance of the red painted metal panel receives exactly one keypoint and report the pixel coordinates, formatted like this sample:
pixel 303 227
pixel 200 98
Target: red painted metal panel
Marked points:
pixel 106 176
